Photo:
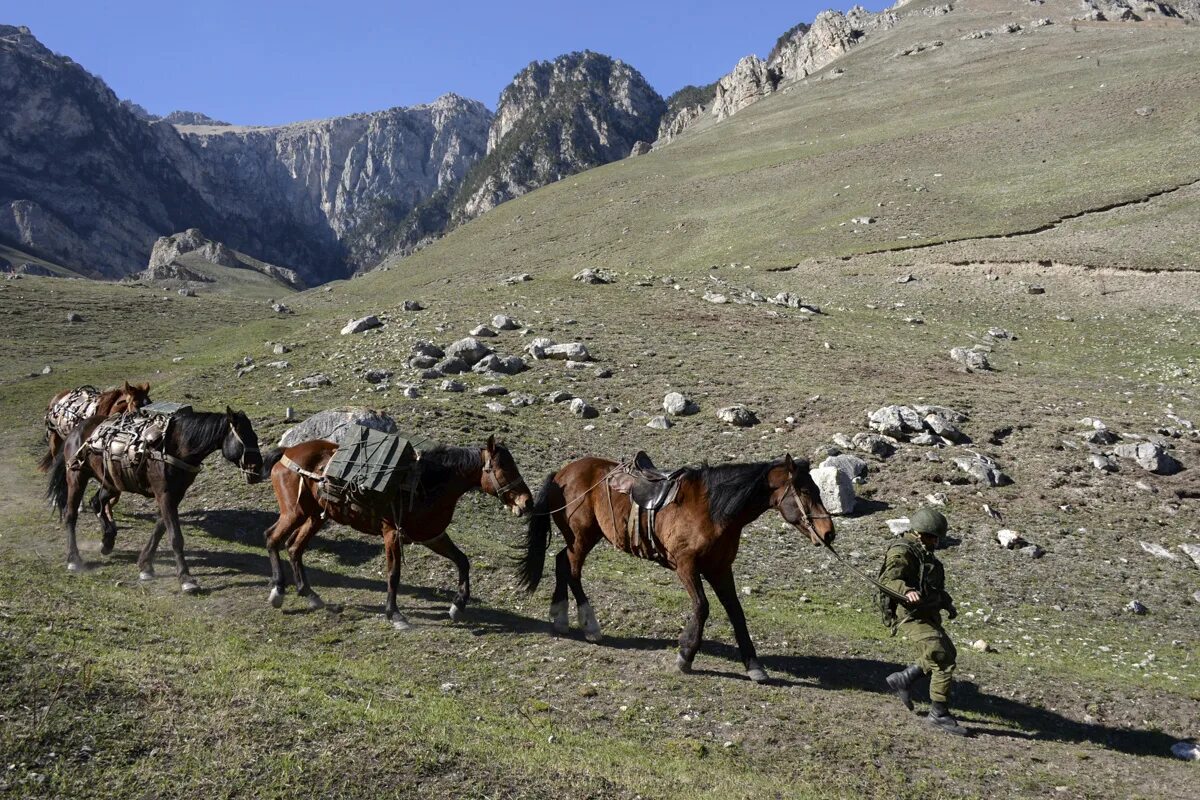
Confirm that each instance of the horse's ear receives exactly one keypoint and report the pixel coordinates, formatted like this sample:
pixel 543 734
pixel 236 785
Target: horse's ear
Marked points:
pixel 491 443
pixel 229 412
pixel 789 462
pixel 125 387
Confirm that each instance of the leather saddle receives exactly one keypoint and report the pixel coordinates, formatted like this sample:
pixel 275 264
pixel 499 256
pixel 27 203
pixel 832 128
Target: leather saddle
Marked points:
pixel 649 490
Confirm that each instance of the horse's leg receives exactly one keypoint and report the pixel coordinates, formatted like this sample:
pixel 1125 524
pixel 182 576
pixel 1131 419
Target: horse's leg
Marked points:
pixel 443 546
pixel 169 509
pixel 726 591
pixel 559 605
pixel 391 548
pixel 296 547
pixel 76 484
pixel 146 557
pixel 275 536
pixel 103 504
pixel 689 640
pixel 580 548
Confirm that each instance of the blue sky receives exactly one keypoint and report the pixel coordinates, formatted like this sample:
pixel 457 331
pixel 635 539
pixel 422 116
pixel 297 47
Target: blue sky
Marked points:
pixel 268 62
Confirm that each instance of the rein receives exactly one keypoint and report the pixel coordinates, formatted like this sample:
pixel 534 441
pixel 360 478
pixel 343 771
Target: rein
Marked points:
pixel 245 450
pixel 507 488
pixel 589 490
pixel 894 595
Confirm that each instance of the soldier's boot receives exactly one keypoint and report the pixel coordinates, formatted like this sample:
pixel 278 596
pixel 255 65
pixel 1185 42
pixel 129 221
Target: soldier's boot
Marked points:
pixel 901 683
pixel 940 718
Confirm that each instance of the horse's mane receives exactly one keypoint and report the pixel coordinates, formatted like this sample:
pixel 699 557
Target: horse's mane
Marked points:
pixel 732 487
pixel 199 430
pixel 441 463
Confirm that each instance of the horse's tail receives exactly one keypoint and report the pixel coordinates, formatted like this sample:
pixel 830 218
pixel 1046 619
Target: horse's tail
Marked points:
pixel 56 485
pixel 47 461
pixel 269 462
pixel 537 537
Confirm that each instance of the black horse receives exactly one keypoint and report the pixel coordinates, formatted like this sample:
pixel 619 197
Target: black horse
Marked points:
pixel 166 475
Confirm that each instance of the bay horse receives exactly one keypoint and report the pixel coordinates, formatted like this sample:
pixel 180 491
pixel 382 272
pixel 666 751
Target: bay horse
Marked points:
pixel 190 438
pixel 62 418
pixel 446 474
pixel 697 535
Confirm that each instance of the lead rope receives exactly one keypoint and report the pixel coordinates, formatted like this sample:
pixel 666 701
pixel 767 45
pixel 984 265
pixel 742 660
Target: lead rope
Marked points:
pixel 604 479
pixel 894 595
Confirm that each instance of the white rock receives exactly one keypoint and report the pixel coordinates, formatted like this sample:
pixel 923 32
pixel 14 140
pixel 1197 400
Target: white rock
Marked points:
pixel 660 422
pixel 677 405
pixel 899 525
pixel 737 415
pixel 1009 539
pixel 362 324
pixel 571 351
pixel 1158 550
pixel 1192 551
pixel 837 490
pixel 981 645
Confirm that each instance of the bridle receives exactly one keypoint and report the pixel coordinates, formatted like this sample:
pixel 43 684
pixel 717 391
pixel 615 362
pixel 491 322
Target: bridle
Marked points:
pixel 808 518
pixel 500 491
pixel 245 451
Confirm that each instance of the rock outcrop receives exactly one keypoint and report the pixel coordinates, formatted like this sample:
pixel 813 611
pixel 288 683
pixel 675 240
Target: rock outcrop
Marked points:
pixel 166 255
pixel 557 118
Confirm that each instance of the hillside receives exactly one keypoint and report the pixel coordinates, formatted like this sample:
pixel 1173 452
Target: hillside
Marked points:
pixel 1032 193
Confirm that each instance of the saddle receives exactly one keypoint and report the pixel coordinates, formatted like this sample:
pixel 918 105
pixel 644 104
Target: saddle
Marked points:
pixel 373 473
pixel 649 490
pixel 72 409
pixel 125 441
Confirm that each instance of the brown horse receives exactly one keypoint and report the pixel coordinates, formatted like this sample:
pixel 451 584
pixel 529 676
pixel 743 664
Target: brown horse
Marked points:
pixel 166 476
pixel 697 535
pixel 63 416
pixel 446 474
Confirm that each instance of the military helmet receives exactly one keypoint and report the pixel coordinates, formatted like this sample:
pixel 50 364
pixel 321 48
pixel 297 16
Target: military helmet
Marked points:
pixel 929 522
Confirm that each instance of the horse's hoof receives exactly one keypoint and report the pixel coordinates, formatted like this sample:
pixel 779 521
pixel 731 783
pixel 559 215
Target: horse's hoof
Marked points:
pixel 146 575
pixel 189 587
pixel 455 613
pixel 275 598
pixel 558 618
pixel 105 549
pixel 400 623
pixel 589 623
pixel 315 603
pixel 683 665
pixel 74 566
pixel 593 636
pixel 757 674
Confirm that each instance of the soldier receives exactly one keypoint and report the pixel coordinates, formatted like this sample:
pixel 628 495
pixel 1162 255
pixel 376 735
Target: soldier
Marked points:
pixel 911 570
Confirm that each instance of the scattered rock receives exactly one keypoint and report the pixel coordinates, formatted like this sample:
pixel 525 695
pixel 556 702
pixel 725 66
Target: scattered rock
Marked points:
pixel 572 351
pixel 46 370
pixel 1102 462
pixel 660 422
pixel 492 391
pixel 982 469
pixel 280 349
pixel 521 400
pixel 1035 289
pixel 73 316
pixel 378 375
pixel 737 415
pixel 594 276
pixel 981 646
pixel 187 291
pixel 524 277
pixel 453 386
pixel 503 365
pixel 715 297
pixel 1136 607
pixel 559 396
pixel 289 414
pixel 280 308
pixel 505 323
pixel 470 350
pixel 1001 333
pixel 1010 540
pixel 874 444
pixel 974 359
pixel 497 408
pixel 422 362
pixel 331 424
pixel 1192 551
pixel 944 428
pixel 852 466
pixel 1158 551
pixel 424 348
pixel 315 380
pixel 413 305
pixel 1143 111
pixel 1150 457
pixel 862 221
pixel 895 421
pixel 433 373
pixel 909 278
pixel 1032 550
pixel 837 490
pixel 603 372
pixel 362 324
pixel 580 408
pixel 483 331
pixel 678 405
pixel 899 525
pixel 410 391
pixel 452 366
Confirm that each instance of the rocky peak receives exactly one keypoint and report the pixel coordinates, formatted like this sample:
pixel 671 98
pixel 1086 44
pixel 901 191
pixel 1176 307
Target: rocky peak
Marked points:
pixel 189 118
pixel 168 256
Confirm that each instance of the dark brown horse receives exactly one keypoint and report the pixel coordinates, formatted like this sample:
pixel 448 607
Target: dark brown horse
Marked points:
pixel 70 407
pixel 697 535
pixel 446 474
pixel 190 438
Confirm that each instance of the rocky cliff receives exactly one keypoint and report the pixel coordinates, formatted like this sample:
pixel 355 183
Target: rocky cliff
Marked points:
pixel 91 182
pixel 557 118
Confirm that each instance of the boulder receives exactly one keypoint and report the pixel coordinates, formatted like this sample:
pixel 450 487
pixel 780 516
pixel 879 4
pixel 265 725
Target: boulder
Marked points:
pixel 424 348
pixel 948 414
pixel 378 375
pixel 850 465
pixel 362 324
pixel 594 276
pixel 483 331
pixel 453 386
pixel 559 396
pixel 73 316
pixel 537 347
pixel 982 469
pixel 412 305
pixel 895 421
pixel 737 415
pixel 1150 457
pixel 660 422
pixel 331 424
pixel 677 405
pixel 503 365
pixel 313 381
pixel 1135 607
pixel 422 362
pixel 571 351
pixel 452 366
pixel 1158 551
pixel 945 429
pixel 470 350
pixel 493 390
pixel 1192 551
pixel 837 491
pixel 1010 540
pixel 972 360
pixel 580 408
pixel 640 148
pixel 874 443
pixel 524 277
pixel 505 323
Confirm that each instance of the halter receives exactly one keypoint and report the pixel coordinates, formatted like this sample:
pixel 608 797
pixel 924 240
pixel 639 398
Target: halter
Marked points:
pixel 245 450
pixel 808 518
pixel 507 488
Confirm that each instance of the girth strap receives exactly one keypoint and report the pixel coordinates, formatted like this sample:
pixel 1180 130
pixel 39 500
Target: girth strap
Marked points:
pixel 294 467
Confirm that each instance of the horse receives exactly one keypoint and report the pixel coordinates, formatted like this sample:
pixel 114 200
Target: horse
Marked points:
pixel 70 407
pixel 446 474
pixel 697 535
pixel 164 475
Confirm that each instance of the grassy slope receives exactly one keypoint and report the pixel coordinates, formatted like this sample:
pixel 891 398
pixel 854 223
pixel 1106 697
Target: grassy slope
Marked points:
pixel 118 687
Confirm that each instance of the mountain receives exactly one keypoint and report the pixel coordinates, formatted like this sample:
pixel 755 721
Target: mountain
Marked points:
pixel 91 182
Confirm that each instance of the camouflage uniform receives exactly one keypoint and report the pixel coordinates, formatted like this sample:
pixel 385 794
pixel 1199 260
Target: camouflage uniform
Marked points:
pixel 909 566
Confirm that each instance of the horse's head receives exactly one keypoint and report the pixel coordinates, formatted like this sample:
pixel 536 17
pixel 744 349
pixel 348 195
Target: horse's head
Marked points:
pixel 501 478
pixel 241 446
pixel 798 499
pixel 132 397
